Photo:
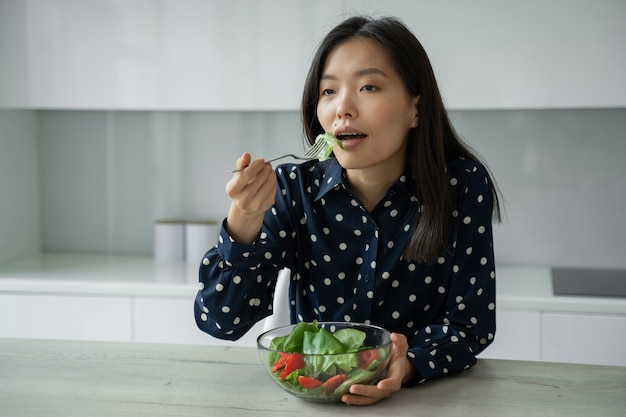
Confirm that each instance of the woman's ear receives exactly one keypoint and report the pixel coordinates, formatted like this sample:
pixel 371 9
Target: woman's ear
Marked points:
pixel 416 117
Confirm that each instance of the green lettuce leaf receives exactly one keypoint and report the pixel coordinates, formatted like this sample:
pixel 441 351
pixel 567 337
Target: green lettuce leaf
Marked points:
pixel 293 341
pixel 352 339
pixel 330 141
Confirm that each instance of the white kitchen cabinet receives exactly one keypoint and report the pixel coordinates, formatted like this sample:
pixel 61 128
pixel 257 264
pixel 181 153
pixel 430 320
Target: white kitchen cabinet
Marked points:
pixel 88 297
pixel 517 336
pixel 249 54
pixel 168 320
pixel 122 318
pixel 69 317
pixel 595 339
pixel 167 54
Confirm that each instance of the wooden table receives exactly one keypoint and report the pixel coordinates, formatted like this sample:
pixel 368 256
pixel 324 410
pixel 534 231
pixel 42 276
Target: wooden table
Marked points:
pixel 62 378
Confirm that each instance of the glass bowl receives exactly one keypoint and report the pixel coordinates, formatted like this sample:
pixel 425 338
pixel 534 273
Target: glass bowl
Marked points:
pixel 320 361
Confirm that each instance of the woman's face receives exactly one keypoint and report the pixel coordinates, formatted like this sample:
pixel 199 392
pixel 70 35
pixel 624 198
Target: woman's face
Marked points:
pixel 363 102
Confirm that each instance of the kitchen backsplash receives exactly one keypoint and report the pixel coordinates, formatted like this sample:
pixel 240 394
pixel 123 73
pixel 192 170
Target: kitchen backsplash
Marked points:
pixel 96 181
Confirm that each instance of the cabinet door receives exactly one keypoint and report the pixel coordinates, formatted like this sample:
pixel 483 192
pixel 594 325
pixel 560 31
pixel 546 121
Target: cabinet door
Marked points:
pixel 584 338
pixel 250 54
pixel 65 317
pixel 169 320
pixel 517 336
pixel 167 54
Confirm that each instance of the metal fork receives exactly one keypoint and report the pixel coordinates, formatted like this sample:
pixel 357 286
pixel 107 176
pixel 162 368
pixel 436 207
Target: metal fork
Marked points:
pixel 312 153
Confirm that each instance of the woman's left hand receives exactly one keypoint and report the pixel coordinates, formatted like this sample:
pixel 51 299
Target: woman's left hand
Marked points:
pixel 400 371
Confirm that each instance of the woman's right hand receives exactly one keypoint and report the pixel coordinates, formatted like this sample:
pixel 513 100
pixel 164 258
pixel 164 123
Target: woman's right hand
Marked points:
pixel 252 191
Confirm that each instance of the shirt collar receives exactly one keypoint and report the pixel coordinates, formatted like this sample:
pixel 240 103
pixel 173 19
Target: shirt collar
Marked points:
pixel 334 177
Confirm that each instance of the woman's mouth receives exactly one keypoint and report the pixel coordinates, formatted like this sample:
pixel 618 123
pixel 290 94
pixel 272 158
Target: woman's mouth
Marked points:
pixel 349 139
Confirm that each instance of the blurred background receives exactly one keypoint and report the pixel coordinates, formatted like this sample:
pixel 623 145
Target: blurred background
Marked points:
pixel 117 114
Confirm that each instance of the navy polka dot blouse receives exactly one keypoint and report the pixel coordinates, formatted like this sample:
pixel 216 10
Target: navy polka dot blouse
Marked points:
pixel 347 264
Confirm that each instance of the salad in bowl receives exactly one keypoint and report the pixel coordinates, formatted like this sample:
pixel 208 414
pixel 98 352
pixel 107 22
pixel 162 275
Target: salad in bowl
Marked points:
pixel 319 361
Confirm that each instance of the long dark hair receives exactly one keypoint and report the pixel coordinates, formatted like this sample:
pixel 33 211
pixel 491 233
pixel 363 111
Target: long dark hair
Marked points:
pixel 430 145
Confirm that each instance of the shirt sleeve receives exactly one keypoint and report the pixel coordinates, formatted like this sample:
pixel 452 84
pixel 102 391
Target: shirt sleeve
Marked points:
pixel 237 284
pixel 468 325
pixel 237 281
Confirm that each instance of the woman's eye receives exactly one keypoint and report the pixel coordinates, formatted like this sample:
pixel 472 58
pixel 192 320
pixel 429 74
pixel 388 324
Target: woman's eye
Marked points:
pixel 369 87
pixel 327 92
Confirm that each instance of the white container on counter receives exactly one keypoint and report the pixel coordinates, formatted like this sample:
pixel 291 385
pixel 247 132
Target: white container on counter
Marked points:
pixel 169 240
pixel 200 236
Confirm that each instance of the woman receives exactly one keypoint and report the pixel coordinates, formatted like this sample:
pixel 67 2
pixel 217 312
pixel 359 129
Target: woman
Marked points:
pixel 395 230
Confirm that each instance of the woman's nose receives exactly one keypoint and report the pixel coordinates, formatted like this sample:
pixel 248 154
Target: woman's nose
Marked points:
pixel 346 107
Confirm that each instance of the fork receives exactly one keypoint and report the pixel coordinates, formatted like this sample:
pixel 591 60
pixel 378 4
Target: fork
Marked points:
pixel 312 153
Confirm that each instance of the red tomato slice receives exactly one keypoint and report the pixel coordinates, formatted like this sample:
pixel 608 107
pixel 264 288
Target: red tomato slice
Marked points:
pixel 308 382
pixel 294 362
pixel 366 357
pixel 280 363
pixel 333 382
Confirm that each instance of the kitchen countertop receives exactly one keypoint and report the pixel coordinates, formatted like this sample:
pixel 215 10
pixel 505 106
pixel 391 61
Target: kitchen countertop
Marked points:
pixel 70 378
pixel 99 275
pixel 518 287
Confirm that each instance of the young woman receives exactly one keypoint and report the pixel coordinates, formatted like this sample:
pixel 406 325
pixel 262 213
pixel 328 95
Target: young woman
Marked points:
pixel 395 230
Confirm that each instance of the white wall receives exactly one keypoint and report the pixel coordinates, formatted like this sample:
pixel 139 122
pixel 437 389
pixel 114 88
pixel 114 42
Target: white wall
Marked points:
pixel 563 178
pixel 20 203
pixel 250 55
pixel 108 175
pixel 95 181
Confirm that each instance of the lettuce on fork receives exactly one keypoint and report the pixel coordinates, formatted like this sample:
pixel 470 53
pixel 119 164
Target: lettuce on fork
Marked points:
pixel 330 141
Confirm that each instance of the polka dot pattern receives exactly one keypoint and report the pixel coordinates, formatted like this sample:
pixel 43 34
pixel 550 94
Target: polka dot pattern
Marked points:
pixel 348 264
